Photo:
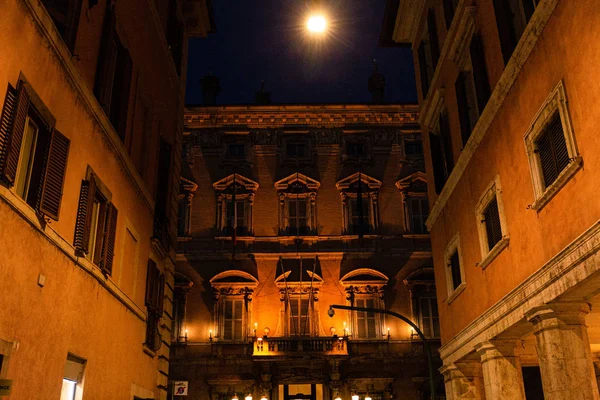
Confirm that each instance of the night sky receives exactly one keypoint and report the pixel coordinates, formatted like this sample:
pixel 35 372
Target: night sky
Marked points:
pixel 266 40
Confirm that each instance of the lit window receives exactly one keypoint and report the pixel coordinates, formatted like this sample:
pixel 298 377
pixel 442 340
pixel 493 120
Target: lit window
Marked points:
pixel 233 319
pixel 299 324
pixel 366 322
pixel 72 384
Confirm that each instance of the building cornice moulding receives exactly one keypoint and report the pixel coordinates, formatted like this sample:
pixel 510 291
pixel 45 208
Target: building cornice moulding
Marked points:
pixel 524 48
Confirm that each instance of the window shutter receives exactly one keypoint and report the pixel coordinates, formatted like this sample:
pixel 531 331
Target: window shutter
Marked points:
pixel 492 224
pixel 558 142
pixel 56 165
pixel 161 294
pixel 106 59
pixel 15 127
pixel 84 216
pixel 8 111
pixel 552 149
pixel 480 74
pixel 108 246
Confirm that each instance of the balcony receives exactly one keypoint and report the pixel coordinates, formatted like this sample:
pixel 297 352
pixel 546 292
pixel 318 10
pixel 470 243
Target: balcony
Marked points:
pixel 327 346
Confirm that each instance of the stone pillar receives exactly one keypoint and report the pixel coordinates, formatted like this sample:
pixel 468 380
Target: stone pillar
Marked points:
pixel 463 381
pixel 563 349
pixel 597 371
pixel 502 375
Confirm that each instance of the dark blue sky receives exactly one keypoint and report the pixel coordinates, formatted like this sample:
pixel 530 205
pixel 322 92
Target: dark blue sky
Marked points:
pixel 266 40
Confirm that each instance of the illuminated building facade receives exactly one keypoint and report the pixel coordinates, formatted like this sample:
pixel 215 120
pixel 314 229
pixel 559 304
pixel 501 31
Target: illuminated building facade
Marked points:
pixel 507 90
pixel 90 129
pixel 285 210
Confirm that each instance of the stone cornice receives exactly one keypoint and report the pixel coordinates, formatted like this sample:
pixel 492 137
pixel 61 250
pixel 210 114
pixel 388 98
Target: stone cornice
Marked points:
pixel 275 116
pixel 524 48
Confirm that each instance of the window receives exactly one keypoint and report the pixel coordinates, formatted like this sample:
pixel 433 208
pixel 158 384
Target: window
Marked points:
pixel 551 148
pixel 113 77
pixel 365 320
pixel 419 211
pixel 449 10
pixel 467 104
pixel 442 157
pixel 355 149
pixel 429 320
pixel 297 205
pixel 434 46
pixel 360 194
pixel 480 75
pixel 296 150
pixel 299 316
pixel 512 17
pixel 491 223
pixel 175 35
pixel 155 286
pixel 236 150
pixel 423 69
pixel 413 148
pixel 235 200
pixel 455 277
pixel 233 319
pixel 162 197
pixel 183 217
pixel 65 15
pixel 359 216
pixel 72 384
pixel 33 155
pixel 96 224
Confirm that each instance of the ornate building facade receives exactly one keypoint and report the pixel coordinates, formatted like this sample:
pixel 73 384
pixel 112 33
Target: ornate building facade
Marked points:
pixel 508 102
pixel 285 210
pixel 91 126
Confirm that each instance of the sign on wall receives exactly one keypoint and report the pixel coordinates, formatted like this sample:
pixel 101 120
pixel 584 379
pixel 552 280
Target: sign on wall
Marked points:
pixel 180 388
pixel 6 387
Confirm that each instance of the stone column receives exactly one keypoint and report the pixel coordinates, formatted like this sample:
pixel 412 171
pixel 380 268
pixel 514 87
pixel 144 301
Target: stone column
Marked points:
pixel 597 370
pixel 502 375
pixel 563 349
pixel 463 381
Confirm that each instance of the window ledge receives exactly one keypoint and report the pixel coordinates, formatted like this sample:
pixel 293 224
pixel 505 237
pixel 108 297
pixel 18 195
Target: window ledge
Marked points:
pixel 242 238
pixel 184 238
pixel 416 236
pixel 148 351
pixel 456 292
pixel 493 253
pixel 565 176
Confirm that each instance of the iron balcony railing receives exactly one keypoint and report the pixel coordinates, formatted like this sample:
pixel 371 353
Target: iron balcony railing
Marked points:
pixel 289 346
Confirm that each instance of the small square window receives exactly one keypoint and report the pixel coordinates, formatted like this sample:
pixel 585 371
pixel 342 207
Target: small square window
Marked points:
pixel 551 148
pixel 236 150
pixel 413 148
pixel 296 150
pixel 355 149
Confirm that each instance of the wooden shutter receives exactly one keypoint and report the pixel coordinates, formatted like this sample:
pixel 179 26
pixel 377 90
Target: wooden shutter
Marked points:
pixel 10 102
pixel 56 165
pixel 84 216
pixel 492 224
pixel 15 128
pixel 480 74
pixel 108 244
pixel 434 45
pixel 552 149
pixel 106 59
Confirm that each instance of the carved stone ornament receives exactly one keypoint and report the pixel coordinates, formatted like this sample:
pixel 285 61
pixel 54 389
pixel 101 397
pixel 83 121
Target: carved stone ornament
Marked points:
pixel 327 137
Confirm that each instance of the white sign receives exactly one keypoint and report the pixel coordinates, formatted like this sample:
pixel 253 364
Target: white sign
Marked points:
pixel 180 388
pixel 6 387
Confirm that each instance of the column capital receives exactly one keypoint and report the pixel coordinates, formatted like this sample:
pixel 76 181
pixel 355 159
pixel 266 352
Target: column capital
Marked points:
pixel 504 347
pixel 551 315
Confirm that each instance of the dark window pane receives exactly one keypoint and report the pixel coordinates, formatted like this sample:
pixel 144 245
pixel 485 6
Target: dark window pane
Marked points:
pixel 455 270
pixel 434 45
pixel 492 224
pixel 412 147
pixel 552 150
pixel 423 70
pixel 439 173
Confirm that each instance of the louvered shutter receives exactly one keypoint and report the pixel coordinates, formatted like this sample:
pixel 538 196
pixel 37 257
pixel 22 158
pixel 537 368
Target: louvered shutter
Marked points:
pixel 106 59
pixel 84 216
pixel 15 129
pixel 6 119
pixel 552 149
pixel 56 165
pixel 492 224
pixel 480 74
pixel 558 143
pixel 108 244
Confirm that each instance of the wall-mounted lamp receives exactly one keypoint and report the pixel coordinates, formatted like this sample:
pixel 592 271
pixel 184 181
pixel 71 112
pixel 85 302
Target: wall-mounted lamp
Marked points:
pixel 337 396
pixel 345 330
pixel 413 334
pixel 367 397
pixel 255 328
pixel 248 396
pixel 210 337
pixel 264 397
pixel 354 396
pixel 267 330
pixel 388 333
pixel 235 397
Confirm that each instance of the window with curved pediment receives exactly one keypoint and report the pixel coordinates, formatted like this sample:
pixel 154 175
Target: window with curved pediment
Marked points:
pixel 359 193
pixel 233 292
pixel 297 205
pixel 365 288
pixel 299 281
pixel 235 201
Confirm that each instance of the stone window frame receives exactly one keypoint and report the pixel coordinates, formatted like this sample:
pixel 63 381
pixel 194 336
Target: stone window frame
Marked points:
pixel 555 102
pixel 186 194
pixel 241 290
pixel 237 138
pixel 289 290
pixel 404 186
pixel 365 289
pixel 283 187
pixel 421 285
pixel 372 197
pixel 247 193
pixel 452 247
pixel 296 137
pixel 491 192
pixel 356 137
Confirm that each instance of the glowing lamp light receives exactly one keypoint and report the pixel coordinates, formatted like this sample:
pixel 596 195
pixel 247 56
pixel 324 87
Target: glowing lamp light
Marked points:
pixel 316 24
pixel 235 397
pixel 248 396
pixel 368 397
pixel 263 398
pixel 337 397
pixel 354 397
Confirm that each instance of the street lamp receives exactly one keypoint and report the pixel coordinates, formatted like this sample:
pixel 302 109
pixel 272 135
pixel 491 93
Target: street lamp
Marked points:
pixel 316 23
pixel 331 313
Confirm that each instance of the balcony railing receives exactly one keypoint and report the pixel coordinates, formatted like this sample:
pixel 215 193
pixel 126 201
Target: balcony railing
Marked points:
pixel 334 346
